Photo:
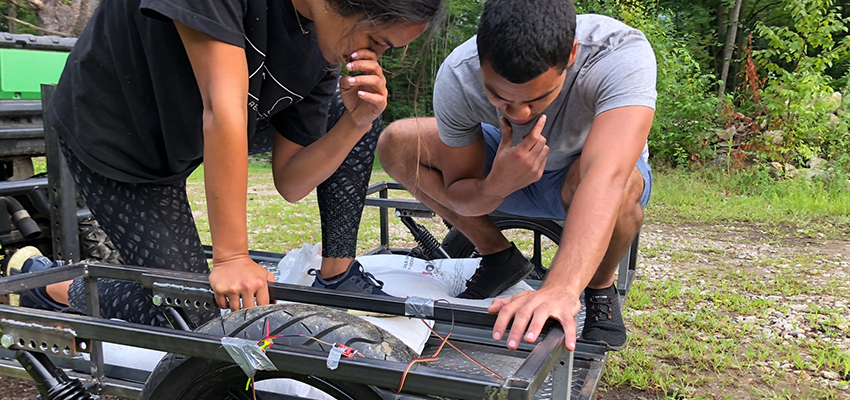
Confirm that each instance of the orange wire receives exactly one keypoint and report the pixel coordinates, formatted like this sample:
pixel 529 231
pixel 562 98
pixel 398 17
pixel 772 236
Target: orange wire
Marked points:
pixel 418 360
pixel 444 341
pixel 464 354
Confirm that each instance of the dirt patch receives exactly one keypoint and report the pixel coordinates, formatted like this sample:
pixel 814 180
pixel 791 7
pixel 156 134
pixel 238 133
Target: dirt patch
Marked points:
pixel 17 389
pixel 626 394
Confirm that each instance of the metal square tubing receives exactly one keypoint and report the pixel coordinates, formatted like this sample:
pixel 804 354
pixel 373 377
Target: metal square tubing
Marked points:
pixel 62 193
pixel 18 283
pixel 149 277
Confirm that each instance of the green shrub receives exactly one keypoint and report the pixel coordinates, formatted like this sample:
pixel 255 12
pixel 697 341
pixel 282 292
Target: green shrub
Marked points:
pixel 799 99
pixel 686 110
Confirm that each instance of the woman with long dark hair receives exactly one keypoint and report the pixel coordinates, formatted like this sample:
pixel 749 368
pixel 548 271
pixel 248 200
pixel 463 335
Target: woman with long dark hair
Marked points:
pixel 155 87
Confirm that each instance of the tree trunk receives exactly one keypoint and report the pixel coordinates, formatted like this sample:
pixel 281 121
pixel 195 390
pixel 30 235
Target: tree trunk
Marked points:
pixel 721 29
pixel 66 16
pixel 87 8
pixel 735 69
pixel 11 11
pixel 730 46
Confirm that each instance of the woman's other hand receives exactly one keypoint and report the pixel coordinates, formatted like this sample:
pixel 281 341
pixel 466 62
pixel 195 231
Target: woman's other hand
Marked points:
pixel 364 95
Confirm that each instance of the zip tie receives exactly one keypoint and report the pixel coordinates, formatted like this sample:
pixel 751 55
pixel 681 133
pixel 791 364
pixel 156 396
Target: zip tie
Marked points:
pixel 419 307
pixel 248 355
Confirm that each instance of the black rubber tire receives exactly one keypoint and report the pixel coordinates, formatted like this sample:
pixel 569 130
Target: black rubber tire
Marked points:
pixel 179 377
pixel 457 245
pixel 95 245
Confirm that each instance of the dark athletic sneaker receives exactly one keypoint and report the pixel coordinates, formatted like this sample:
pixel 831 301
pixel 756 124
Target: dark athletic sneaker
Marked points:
pixel 496 273
pixel 604 321
pixel 29 259
pixel 355 279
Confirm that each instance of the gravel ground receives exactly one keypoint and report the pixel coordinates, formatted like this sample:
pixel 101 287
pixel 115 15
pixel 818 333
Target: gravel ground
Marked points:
pixel 685 252
pixel 761 258
pixel 831 261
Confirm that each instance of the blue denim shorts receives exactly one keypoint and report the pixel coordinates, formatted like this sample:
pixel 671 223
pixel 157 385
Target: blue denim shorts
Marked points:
pixel 542 199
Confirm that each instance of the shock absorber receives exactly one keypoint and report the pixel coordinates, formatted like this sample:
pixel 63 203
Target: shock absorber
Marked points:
pixel 426 241
pixel 52 382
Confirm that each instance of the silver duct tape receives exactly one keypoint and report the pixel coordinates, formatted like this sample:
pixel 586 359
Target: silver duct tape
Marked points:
pixel 419 307
pixel 248 355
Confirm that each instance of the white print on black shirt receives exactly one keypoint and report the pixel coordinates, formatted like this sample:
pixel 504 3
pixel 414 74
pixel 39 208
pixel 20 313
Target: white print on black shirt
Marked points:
pixel 285 96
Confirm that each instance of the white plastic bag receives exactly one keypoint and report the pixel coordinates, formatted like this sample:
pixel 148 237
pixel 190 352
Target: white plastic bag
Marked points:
pixel 293 270
pixel 295 264
pixel 405 276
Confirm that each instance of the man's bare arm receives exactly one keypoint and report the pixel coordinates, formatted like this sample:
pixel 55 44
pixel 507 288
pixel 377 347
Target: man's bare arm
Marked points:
pixel 613 146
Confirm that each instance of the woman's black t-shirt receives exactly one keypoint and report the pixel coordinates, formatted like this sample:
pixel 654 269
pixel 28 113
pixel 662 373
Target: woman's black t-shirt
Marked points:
pixel 128 104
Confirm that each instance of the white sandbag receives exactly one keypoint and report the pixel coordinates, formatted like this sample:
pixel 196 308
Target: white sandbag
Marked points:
pixel 293 270
pixel 406 276
pixel 291 387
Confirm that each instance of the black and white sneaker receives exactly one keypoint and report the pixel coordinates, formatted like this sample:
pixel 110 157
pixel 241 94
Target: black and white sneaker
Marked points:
pixel 355 279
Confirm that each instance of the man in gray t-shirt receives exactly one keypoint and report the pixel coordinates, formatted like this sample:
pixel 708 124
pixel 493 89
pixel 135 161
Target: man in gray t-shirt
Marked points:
pixel 542 114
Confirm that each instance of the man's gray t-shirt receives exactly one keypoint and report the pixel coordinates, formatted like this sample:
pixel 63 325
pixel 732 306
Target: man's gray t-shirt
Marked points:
pixel 614 67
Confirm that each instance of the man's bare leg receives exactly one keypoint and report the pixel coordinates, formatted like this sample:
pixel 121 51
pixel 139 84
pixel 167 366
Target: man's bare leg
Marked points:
pixel 408 150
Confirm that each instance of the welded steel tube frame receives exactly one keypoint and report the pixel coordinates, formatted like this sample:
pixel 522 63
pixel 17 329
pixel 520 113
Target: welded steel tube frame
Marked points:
pixel 62 193
pixel 384 202
pixel 421 380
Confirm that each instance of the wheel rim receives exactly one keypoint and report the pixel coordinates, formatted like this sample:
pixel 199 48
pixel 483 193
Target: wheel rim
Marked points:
pixel 228 381
pixel 538 239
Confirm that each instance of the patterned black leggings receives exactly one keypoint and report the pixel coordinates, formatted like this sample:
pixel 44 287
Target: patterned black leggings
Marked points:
pixel 152 225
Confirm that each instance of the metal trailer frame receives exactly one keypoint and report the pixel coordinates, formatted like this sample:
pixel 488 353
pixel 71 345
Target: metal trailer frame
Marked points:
pixel 66 335
pixel 60 334
pixel 625 275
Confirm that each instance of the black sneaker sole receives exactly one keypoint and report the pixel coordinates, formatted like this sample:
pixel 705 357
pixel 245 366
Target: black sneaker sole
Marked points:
pixel 607 346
